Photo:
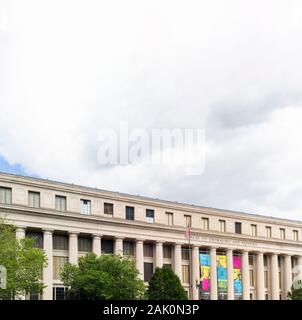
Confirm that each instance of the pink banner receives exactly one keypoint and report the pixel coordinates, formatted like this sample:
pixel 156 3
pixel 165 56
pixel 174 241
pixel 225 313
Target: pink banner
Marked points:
pixel 205 285
pixel 237 262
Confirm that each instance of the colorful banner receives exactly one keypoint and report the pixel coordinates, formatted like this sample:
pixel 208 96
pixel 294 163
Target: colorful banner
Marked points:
pixel 237 274
pixel 204 260
pixel 222 281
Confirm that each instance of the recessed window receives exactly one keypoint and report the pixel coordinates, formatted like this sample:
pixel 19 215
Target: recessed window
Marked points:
pixel 150 216
pixel 130 213
pixel 58 266
pixel 188 221
pixel 251 278
pixel 222 227
pixel 205 224
pixel 251 260
pixel 148 271
pixel 108 209
pixel 34 199
pixel 295 235
pixel 128 248
pixel 268 231
pixel 60 203
pixel 254 230
pixel 238 227
pixel 185 273
pixel 37 238
pixel 185 254
pixel 282 233
pixel 169 218
pixel 167 251
pixel 60 242
pixel 84 244
pixel 85 206
pixel 265 279
pixel 5 195
pixel 148 250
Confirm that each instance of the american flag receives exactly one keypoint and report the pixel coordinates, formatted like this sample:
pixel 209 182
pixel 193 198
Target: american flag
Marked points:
pixel 188 233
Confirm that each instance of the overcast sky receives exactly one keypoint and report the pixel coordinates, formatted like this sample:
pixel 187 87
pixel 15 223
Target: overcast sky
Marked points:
pixel 68 69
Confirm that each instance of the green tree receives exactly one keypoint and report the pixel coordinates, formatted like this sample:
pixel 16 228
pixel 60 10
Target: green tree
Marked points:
pixel 295 294
pixel 165 285
pixel 23 262
pixel 107 277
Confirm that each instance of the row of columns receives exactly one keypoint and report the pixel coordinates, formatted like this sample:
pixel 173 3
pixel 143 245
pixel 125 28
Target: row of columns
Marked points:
pixel 177 266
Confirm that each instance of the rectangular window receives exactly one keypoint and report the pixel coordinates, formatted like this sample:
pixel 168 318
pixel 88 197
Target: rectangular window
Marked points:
pixel 148 271
pixel 205 223
pixel 130 213
pixel 251 278
pixel 222 226
pixel 150 216
pixel 282 233
pixel 5 195
pixel 280 280
pixel 107 246
pixel 59 293
pixel 295 235
pixel 34 199
pixel 251 260
pixel 169 218
pixel 85 206
pixel 265 260
pixel 60 242
pixel 84 244
pixel 185 254
pixel 148 250
pixel 254 230
pixel 268 232
pixel 167 252
pixel 60 203
pixel 265 279
pixel 188 221
pixel 185 274
pixel 238 227
pixel 58 266
pixel 108 209
pixel 128 248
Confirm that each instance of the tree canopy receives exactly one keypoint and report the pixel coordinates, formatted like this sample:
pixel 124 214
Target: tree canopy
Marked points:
pixel 107 277
pixel 23 262
pixel 165 285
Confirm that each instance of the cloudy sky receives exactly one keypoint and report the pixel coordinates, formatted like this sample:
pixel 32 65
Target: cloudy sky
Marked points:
pixel 69 69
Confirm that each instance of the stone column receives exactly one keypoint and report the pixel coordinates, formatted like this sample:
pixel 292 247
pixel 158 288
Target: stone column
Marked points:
pixel 119 249
pixel 245 276
pixel 159 254
pixel 139 257
pixel 73 247
pixel 274 277
pixel 96 245
pixel 213 275
pixel 230 274
pixel 260 277
pixel 177 260
pixel 287 275
pixel 20 233
pixel 48 271
pixel 195 273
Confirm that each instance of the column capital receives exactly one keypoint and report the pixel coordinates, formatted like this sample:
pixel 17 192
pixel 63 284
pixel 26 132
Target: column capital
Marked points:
pixel 97 235
pixel 73 233
pixel 20 227
pixel 159 242
pixel 119 238
pixel 48 231
pixel 138 240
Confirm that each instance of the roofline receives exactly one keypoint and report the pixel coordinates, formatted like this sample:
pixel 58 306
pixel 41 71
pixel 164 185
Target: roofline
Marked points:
pixel 195 206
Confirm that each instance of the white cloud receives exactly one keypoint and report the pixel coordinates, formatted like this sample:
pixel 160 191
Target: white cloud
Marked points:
pixel 71 68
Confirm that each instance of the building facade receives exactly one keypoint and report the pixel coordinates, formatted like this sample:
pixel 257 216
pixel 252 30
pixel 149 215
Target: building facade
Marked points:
pixel 229 255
